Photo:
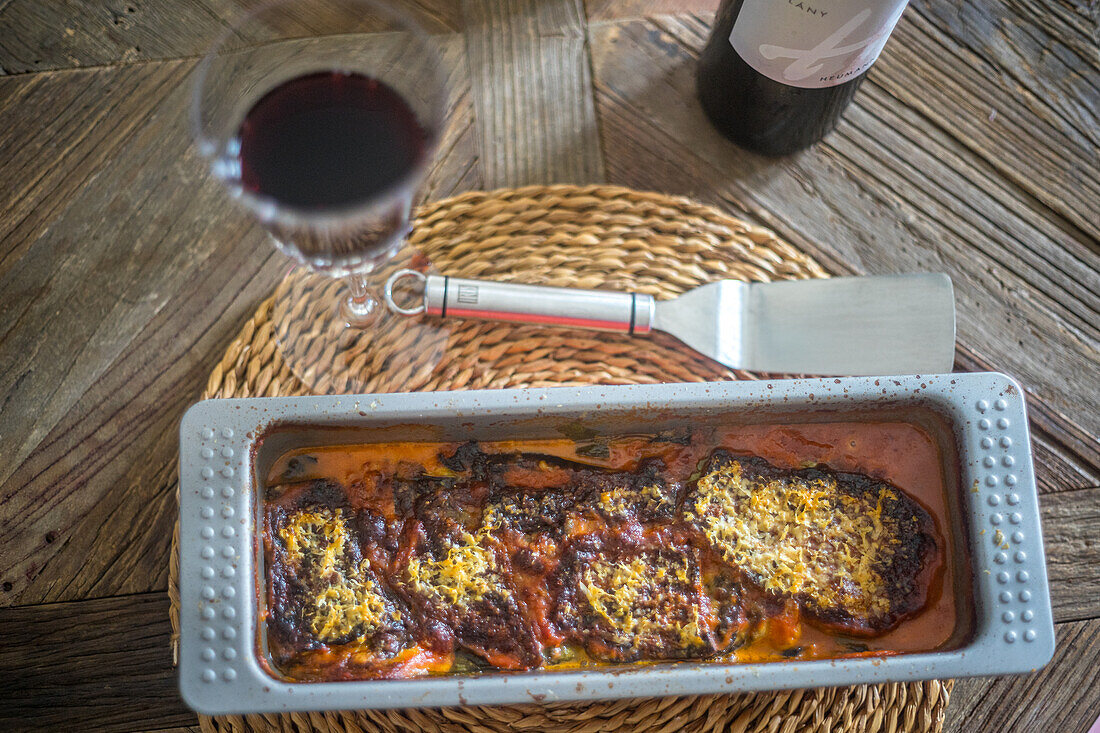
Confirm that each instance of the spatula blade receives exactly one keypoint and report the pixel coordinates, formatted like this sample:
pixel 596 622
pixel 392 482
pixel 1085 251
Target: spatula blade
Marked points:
pixel 859 326
pixel 893 324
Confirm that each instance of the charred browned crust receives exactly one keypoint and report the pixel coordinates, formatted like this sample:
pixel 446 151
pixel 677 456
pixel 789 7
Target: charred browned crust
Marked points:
pixel 626 602
pixel 646 495
pixel 323 589
pixel 459 579
pixel 848 547
pixel 506 555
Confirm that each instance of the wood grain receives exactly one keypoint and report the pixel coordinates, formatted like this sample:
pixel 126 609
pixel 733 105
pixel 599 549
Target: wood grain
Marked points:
pixel 1071 536
pixel 73 34
pixel 1039 64
pixel 1066 457
pixel 70 34
pixel 532 87
pixel 79 123
pixel 974 149
pixel 602 11
pixel 885 193
pixel 88 268
pixel 1060 697
pixel 1036 116
pixel 94 665
pixel 104 665
pixel 1062 462
pixel 118 285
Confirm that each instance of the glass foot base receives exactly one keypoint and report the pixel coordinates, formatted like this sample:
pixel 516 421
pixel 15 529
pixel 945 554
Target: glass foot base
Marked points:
pixel 362 313
pixel 333 349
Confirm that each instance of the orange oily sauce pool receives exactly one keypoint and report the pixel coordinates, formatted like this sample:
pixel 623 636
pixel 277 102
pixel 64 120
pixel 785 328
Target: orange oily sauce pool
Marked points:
pixel 901 453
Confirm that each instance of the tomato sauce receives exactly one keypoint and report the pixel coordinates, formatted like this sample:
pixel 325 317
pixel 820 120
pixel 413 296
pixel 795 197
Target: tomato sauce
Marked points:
pixel 903 454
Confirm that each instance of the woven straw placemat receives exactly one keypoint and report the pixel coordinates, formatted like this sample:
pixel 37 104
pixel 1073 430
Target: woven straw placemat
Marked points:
pixel 587 237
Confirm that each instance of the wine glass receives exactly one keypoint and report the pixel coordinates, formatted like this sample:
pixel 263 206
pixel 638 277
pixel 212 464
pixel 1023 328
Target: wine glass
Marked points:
pixel 321 117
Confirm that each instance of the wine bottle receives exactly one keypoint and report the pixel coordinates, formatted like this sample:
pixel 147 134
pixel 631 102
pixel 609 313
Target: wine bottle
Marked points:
pixel 776 75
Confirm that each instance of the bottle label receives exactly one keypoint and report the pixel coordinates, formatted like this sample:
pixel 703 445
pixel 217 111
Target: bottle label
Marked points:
pixel 813 43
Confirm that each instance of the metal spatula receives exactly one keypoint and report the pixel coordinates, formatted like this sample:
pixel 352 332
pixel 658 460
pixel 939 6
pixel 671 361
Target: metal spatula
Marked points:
pixel 894 324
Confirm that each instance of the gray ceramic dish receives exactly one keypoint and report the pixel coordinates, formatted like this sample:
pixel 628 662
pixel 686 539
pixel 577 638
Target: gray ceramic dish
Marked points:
pixel 993 507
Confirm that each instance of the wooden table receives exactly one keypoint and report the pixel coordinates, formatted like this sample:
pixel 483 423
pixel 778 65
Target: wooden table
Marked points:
pixel 125 271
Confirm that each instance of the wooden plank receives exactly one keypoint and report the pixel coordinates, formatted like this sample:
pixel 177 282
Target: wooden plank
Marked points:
pixel 61 131
pixel 1036 116
pixel 608 10
pixel 85 256
pixel 72 34
pixel 80 33
pixel 1040 66
pixel 127 276
pixel 885 193
pixel 92 393
pixel 457 165
pixel 1059 464
pixel 101 665
pixel 1071 526
pixel 532 88
pixel 1060 697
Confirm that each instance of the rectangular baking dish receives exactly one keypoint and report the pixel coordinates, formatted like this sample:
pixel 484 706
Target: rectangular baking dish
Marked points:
pixel 979 419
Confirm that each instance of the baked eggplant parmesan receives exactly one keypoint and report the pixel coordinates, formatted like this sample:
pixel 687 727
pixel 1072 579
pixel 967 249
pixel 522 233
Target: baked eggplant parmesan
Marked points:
pixel 415 559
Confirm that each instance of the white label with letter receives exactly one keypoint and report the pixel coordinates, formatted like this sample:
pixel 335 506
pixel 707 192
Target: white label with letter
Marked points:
pixel 813 44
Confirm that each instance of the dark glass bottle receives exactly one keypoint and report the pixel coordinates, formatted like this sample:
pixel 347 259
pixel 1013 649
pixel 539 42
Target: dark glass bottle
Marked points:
pixel 805 63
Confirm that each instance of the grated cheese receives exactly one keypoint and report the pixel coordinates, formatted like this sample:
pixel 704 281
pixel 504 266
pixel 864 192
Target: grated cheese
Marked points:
pixel 800 537
pixel 618 501
pixel 347 601
pixel 467 574
pixel 634 599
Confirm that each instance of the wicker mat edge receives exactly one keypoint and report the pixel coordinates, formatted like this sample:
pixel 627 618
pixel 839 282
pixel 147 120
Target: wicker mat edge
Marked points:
pixel 582 236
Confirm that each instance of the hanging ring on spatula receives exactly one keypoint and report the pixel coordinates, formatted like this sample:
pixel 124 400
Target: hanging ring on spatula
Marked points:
pixel 886 324
pixel 388 292
pixel 455 297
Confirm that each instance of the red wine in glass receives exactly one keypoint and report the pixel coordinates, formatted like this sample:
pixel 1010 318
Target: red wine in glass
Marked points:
pixel 321 118
pixel 333 143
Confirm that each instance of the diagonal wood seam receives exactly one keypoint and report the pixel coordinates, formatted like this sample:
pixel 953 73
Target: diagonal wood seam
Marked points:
pixel 534 111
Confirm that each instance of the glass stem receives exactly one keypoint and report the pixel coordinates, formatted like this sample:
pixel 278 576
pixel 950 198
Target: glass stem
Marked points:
pixel 357 284
pixel 360 307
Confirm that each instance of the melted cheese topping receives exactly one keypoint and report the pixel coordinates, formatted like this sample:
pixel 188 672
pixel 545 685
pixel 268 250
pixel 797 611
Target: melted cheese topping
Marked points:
pixel 800 537
pixel 467 574
pixel 315 535
pixel 349 605
pixel 347 601
pixel 635 599
pixel 620 500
